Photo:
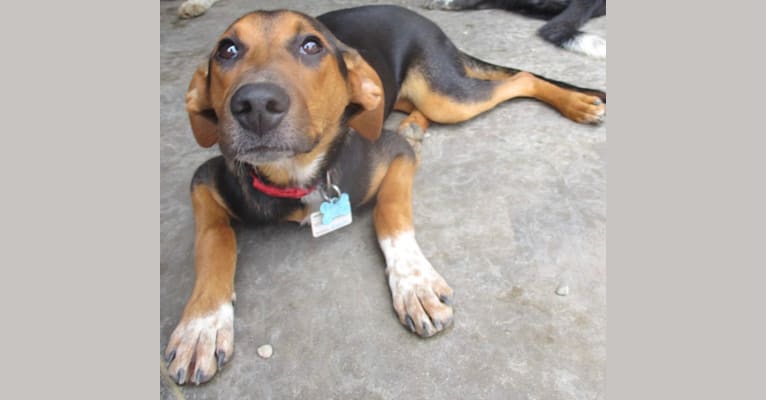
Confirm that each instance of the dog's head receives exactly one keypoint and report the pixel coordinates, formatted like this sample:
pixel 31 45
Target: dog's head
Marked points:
pixel 277 85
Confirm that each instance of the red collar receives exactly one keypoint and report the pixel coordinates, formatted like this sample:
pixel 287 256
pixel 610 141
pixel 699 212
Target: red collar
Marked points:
pixel 273 191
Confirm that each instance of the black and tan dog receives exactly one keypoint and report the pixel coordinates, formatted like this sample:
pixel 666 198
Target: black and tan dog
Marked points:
pixel 293 102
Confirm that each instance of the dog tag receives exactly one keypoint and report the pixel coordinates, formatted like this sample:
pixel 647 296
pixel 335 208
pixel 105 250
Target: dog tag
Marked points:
pixel 332 215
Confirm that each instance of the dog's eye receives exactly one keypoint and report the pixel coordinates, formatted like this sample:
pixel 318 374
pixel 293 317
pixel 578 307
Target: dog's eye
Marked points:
pixel 227 50
pixel 311 45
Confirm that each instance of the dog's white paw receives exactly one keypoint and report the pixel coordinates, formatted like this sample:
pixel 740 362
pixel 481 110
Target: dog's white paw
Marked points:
pixel 588 44
pixel 199 346
pixel 194 8
pixel 421 297
pixel 439 4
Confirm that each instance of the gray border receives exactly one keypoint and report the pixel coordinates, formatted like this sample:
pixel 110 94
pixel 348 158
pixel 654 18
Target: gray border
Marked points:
pixel 80 241
pixel 685 196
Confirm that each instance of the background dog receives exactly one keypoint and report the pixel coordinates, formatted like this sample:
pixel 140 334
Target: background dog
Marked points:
pixel 565 18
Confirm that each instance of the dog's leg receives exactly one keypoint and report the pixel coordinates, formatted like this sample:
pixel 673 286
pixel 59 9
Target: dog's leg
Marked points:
pixel 563 30
pixel 421 297
pixel 467 95
pixel 204 339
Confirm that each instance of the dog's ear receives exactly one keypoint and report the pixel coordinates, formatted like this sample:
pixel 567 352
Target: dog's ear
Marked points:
pixel 366 90
pixel 204 122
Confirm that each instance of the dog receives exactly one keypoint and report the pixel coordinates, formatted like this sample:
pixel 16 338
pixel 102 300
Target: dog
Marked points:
pixel 565 18
pixel 296 105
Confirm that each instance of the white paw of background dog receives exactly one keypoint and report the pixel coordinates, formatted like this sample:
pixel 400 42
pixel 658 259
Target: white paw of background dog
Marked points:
pixel 194 8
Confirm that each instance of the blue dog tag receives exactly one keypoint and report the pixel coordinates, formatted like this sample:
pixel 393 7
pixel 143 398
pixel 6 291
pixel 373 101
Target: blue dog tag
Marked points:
pixel 332 210
pixel 332 215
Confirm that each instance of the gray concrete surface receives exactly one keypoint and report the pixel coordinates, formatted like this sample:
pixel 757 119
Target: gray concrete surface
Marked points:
pixel 508 207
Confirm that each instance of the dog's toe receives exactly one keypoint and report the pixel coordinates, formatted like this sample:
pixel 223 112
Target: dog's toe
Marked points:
pixel 199 346
pixel 586 109
pixel 418 302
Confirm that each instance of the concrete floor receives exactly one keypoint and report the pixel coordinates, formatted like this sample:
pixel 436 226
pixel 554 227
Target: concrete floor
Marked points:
pixel 508 207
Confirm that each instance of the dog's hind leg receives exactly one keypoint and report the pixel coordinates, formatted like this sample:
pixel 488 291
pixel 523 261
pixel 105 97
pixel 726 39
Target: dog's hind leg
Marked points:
pixel 451 95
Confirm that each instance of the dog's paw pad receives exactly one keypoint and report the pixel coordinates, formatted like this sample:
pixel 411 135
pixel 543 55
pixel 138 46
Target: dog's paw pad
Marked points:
pixel 198 347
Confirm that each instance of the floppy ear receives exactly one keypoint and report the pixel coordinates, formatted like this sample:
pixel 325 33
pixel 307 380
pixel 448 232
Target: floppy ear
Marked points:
pixel 203 120
pixel 366 90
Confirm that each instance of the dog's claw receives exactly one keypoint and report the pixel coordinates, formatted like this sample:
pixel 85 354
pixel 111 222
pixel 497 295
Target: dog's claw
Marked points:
pixel 171 357
pixel 410 324
pixel 198 377
pixel 180 376
pixel 220 356
pixel 438 325
pixel 446 300
pixel 426 330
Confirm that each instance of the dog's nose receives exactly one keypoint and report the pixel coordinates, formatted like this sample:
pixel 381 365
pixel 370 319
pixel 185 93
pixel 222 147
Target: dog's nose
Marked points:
pixel 259 107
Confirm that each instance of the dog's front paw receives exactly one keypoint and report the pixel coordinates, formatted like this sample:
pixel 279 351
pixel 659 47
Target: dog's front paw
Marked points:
pixel 199 346
pixel 421 297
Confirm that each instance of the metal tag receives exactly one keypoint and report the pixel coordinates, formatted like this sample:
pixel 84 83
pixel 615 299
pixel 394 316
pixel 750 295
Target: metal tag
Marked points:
pixel 332 215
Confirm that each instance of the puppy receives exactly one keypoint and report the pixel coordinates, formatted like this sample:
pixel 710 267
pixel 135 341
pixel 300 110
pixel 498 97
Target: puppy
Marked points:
pixel 296 105
pixel 565 17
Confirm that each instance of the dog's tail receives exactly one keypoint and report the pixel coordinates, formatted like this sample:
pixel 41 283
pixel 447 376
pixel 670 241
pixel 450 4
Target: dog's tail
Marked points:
pixel 478 69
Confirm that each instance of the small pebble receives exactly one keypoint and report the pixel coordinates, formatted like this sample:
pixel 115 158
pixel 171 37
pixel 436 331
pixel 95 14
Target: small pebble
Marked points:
pixel 562 290
pixel 265 351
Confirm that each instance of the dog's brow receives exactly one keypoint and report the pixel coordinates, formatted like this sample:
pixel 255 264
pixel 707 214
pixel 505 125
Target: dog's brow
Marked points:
pixel 298 27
